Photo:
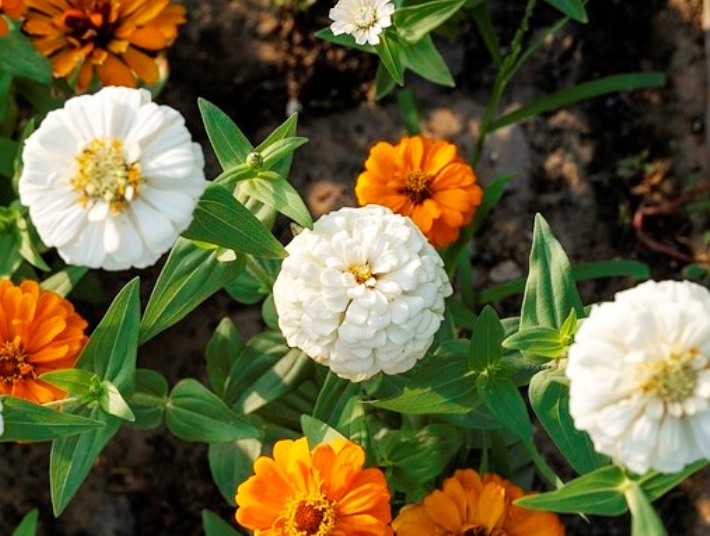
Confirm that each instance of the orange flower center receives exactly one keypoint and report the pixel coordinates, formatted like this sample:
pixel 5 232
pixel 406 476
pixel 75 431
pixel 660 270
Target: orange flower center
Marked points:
pixel 361 272
pixel 13 362
pixel 312 515
pixel 480 530
pixel 416 187
pixel 102 173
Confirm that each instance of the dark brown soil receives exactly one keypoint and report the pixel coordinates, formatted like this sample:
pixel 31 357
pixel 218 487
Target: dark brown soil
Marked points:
pixel 252 59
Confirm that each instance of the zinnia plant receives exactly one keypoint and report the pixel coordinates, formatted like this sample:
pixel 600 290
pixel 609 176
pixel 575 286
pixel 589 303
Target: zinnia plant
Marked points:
pixel 424 179
pixel 116 40
pixel 321 492
pixel 39 332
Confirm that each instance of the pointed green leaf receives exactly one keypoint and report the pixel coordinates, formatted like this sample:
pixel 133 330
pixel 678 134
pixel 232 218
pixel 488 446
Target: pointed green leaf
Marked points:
pixel 280 195
pixel 28 525
pixel 596 493
pixel 229 143
pixel 284 130
pixel 194 413
pixel 656 485
pixel 485 348
pixel 550 401
pixel 345 40
pixel 504 401
pixel 384 83
pixel 424 59
pixel 25 421
pixel 540 341
pixel 113 403
pixel 550 292
pixel 644 519
pixel 74 381
pixel 19 57
pixel 149 399
pixel 190 276
pixel 222 220
pixel 318 432
pixel 572 8
pixel 414 22
pixel 72 458
pixel 64 281
pixel 222 352
pixel 391 54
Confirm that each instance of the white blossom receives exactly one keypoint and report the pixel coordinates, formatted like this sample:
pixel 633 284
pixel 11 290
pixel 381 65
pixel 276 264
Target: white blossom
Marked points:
pixel 363 19
pixel 111 179
pixel 639 373
pixel 363 292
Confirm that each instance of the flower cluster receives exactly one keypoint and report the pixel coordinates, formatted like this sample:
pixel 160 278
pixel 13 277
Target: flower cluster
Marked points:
pixel 639 373
pixel 13 9
pixel 321 492
pixel 470 504
pixel 112 179
pixel 39 332
pixel 424 179
pixel 363 292
pixel 115 39
pixel 363 19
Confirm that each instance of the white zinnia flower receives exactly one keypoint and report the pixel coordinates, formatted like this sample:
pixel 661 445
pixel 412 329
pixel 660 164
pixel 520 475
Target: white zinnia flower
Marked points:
pixel 363 19
pixel 363 292
pixel 111 179
pixel 639 373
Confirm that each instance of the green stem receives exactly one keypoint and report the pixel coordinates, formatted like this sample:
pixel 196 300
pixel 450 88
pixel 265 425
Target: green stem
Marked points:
pixel 541 465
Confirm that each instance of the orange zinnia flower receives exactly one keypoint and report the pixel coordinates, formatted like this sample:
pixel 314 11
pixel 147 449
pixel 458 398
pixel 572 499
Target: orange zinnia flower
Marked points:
pixel 469 504
pixel 39 332
pixel 116 39
pixel 321 493
pixel 13 9
pixel 424 179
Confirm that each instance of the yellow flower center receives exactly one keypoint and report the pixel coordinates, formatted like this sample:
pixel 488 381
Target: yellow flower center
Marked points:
pixel 365 17
pixel 675 378
pixel 361 272
pixel 102 173
pixel 481 530
pixel 416 187
pixel 309 515
pixel 13 362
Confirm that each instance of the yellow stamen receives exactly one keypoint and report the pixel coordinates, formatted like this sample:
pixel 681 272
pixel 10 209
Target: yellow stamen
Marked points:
pixel 102 173
pixel 416 187
pixel 361 272
pixel 13 362
pixel 365 17
pixel 674 379
pixel 309 515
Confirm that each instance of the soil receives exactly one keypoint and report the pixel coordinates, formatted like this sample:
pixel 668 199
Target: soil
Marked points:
pixel 589 169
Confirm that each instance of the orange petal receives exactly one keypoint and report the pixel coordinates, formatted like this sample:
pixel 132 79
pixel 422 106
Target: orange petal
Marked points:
pixel 149 39
pixel 143 65
pixel 113 72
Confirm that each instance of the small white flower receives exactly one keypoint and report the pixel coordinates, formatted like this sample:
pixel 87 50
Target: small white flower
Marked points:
pixel 639 373
pixel 111 179
pixel 363 292
pixel 363 19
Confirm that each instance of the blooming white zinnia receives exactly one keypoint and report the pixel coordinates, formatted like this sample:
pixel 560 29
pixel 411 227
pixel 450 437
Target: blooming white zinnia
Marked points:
pixel 363 19
pixel 111 179
pixel 639 373
pixel 363 292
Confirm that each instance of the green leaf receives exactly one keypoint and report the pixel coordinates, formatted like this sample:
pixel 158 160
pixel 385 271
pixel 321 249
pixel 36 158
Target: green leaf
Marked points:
pixel 414 457
pixel 28 422
pixel 221 220
pixel 540 341
pixel 644 519
pixel 10 258
pixel 318 432
pixel 194 413
pixel 442 383
pixel 190 276
pixel 149 399
pixel 72 458
pixel 572 8
pixel 550 401
pixel 504 401
pixel 485 27
pixel 111 401
pixel 414 22
pixel 112 347
pixel 214 525
pixel 28 525
pixel 656 485
pixel 345 40
pixel 597 493
pixel 284 130
pixel 8 152
pixel 280 149
pixel 19 57
pixel 391 54
pixel 64 281
pixel 424 59
pixel 74 381
pixel 550 293
pixel 231 464
pixel 229 143
pixel 384 83
pixel 280 195
pixel 485 348
pixel 28 238
pixel 588 90
pixel 246 289
pixel 223 350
